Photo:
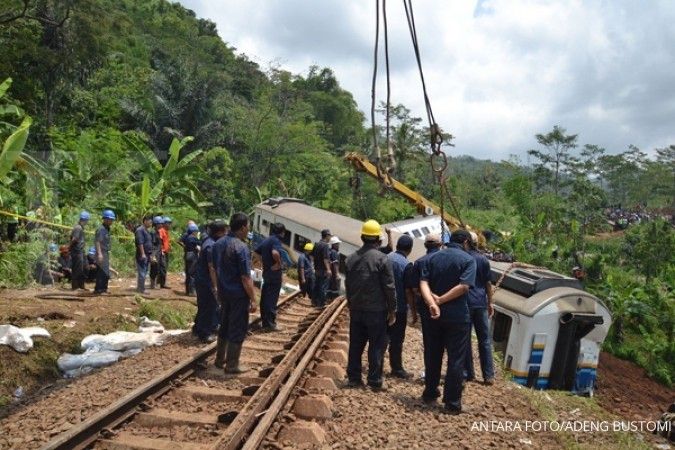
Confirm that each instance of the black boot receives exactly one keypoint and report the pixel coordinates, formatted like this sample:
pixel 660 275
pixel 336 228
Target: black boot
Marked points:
pixel 221 348
pixel 233 354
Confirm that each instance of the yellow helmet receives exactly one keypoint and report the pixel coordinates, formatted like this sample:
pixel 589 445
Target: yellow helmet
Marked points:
pixel 309 247
pixel 371 228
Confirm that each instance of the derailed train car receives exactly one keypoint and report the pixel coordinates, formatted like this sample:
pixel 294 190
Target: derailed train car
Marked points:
pixel 548 328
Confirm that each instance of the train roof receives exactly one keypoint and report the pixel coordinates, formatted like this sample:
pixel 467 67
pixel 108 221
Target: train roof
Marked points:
pixel 414 220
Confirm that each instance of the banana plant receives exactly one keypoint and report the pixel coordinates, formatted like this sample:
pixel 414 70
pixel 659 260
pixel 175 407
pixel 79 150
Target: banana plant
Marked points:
pixel 162 185
pixel 13 145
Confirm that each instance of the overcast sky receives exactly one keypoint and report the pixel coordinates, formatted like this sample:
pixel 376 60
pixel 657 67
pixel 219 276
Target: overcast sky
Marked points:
pixel 497 71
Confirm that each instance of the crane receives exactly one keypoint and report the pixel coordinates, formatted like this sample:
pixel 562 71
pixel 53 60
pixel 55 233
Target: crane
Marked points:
pixel 424 206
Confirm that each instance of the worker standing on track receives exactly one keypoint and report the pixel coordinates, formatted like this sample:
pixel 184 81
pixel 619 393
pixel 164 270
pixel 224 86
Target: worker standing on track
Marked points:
pixel 102 243
pixel 480 312
pixel 156 254
pixel 191 247
pixel 164 254
pixel 235 291
pixel 446 280
pixel 396 333
pixel 432 242
pixel 143 242
pixel 321 254
pixel 306 270
pixel 334 257
pixel 371 297
pixel 206 282
pixel 77 255
pixel 270 252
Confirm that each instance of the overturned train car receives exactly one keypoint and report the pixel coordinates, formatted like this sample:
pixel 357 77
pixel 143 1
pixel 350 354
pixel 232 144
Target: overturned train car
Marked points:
pixel 548 328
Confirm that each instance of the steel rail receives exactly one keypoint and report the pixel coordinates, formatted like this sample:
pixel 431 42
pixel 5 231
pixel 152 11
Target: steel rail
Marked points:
pixel 87 432
pixel 258 434
pixel 250 413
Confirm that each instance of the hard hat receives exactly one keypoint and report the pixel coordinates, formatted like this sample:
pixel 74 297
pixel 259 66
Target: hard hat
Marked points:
pixel 249 236
pixel 108 214
pixel 334 240
pixel 309 247
pixel 91 251
pixel 167 219
pixel 432 238
pixel 474 237
pixel 371 228
pixel 53 247
pixel 158 220
pixel 192 228
pixel 84 215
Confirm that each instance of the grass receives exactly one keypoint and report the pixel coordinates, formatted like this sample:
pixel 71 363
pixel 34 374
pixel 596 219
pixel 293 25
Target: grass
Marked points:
pixel 171 316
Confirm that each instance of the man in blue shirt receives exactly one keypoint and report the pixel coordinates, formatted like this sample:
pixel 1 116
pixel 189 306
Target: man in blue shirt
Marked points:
pixel 143 242
pixel 208 311
pixel 396 332
pixel 480 311
pixel 306 270
pixel 445 283
pixel 235 291
pixel 270 251
pixel 191 247
pixel 102 243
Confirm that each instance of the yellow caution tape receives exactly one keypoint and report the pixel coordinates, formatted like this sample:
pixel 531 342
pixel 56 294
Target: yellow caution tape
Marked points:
pixel 51 224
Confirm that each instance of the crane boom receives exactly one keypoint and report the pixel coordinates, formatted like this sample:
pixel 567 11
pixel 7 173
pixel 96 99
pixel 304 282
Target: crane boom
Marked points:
pixel 422 204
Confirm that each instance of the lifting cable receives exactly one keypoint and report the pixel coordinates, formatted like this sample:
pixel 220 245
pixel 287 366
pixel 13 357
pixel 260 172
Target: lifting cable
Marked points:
pixel 438 159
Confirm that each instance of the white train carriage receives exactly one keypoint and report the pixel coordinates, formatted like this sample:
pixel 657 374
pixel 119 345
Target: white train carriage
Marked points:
pixel 548 328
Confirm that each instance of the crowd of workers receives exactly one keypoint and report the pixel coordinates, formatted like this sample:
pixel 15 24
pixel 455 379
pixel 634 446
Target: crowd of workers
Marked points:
pixel 448 290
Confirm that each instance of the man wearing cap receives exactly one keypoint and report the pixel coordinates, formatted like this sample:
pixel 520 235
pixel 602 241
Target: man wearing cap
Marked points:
pixel 446 280
pixel 143 242
pixel 306 270
pixel 371 297
pixel 102 243
pixel 156 254
pixel 191 248
pixel 480 311
pixel 77 256
pixel 270 251
pixel 396 333
pixel 321 254
pixel 334 257
pixel 432 346
pixel 206 284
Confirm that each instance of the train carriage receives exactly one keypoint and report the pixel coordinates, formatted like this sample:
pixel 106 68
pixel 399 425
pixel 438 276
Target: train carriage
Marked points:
pixel 548 328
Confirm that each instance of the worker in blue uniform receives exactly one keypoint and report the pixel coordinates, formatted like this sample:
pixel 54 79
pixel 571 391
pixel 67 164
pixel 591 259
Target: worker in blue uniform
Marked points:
pixel 446 280
pixel 306 270
pixel 371 298
pixel 208 310
pixel 143 242
pixel 396 333
pixel 270 251
pixel 191 248
pixel 432 243
pixel 321 254
pixel 102 244
pixel 480 312
pixel 235 292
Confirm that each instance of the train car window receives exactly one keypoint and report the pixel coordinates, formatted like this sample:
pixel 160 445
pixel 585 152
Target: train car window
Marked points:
pixel 258 226
pixel 299 242
pixel 265 223
pixel 501 331
pixel 407 232
pixel 286 238
pixel 425 230
pixel 416 233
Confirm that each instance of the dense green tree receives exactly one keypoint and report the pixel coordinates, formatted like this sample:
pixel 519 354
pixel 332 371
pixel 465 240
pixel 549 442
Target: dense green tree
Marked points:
pixel 555 160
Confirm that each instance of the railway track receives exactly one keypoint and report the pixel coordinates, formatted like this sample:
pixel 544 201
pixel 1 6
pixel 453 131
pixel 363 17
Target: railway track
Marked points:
pixel 195 406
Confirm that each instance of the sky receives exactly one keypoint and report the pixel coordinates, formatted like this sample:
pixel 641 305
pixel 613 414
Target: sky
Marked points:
pixel 497 71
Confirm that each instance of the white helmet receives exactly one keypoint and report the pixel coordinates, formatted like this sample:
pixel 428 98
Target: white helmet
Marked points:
pixel 334 240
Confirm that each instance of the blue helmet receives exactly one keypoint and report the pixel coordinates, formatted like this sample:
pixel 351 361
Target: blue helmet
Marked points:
pixel 84 215
pixel 192 228
pixel 167 219
pixel 53 247
pixel 92 251
pixel 108 214
pixel 158 220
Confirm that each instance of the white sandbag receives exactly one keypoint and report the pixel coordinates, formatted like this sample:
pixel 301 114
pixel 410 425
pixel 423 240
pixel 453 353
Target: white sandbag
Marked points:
pixel 67 361
pixel 20 339
pixel 120 341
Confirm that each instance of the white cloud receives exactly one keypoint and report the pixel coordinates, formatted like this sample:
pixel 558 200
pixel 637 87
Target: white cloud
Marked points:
pixel 497 71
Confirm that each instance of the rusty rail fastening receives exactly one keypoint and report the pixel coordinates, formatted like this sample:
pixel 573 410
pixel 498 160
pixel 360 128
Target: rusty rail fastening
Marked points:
pixel 87 432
